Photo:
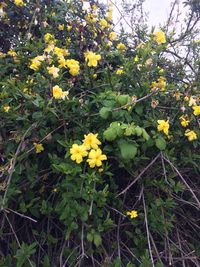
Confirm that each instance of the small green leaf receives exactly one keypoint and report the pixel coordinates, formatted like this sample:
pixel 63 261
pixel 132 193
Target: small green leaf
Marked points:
pixel 90 237
pixel 104 112
pixel 97 239
pixel 110 134
pixel 123 99
pixel 145 135
pixel 128 149
pixel 161 143
pixel 138 131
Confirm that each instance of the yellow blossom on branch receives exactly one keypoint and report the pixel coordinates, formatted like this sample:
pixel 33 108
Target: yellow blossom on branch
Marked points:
pixel 196 111
pixel 58 93
pixel 103 23
pixel 112 36
pixel 91 141
pixel 48 37
pixel 191 135
pixel 133 214
pixel 78 152
pixel 73 66
pixel 159 37
pixel 36 62
pixel 159 84
pixel 95 158
pixel 184 121
pixel 61 52
pixel 119 71
pixel 53 71
pixel 19 2
pixel 38 147
pixel 61 27
pixel 6 108
pixel 163 126
pixel 121 46
pixel 92 58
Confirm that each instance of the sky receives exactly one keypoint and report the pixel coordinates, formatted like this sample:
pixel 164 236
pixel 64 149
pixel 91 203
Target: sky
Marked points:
pixel 157 10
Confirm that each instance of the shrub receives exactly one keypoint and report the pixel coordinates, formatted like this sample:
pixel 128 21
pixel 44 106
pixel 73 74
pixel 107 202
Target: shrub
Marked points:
pixel 99 140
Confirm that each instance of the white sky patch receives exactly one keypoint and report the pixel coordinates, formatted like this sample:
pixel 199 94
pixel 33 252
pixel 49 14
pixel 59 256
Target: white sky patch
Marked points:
pixel 158 11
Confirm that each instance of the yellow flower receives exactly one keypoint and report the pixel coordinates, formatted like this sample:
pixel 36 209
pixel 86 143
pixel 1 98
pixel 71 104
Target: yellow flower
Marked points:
pixel 192 101
pixel 177 95
pixel 62 62
pixel 133 214
pixel 112 36
pixel 159 84
pixel 12 53
pixel 36 62
pixel 91 58
pixel 103 23
pixel 184 121
pixel 163 126
pixel 90 18
pixel 94 76
pixel 119 71
pixel 48 37
pixel 49 48
pixel 78 152
pixel 38 147
pixel 58 93
pixel 91 141
pixel 61 27
pixel 109 15
pixel 61 52
pixel 95 158
pixel 196 111
pixel 136 58
pixel 121 46
pixel 186 98
pixel 53 71
pixel 159 37
pixel 73 66
pixel 191 135
pixel 6 108
pixel 2 55
pixel 69 28
pixel 18 2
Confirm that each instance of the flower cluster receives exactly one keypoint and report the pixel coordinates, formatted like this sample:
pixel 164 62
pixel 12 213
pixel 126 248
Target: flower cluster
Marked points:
pixel 73 66
pixel 159 84
pixel 36 62
pixel 90 148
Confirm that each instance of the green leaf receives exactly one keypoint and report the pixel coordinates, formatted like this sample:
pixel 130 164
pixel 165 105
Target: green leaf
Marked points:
pixel 128 149
pixel 145 135
pixel 97 239
pixel 90 237
pixel 110 134
pixel 123 99
pixel 161 143
pixel 138 131
pixel 104 112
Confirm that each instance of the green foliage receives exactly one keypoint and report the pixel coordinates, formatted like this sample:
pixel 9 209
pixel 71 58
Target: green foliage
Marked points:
pixel 90 130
